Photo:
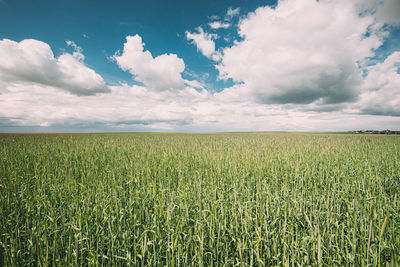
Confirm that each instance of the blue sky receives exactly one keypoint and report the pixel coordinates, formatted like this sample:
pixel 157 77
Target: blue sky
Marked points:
pixel 100 28
pixel 199 65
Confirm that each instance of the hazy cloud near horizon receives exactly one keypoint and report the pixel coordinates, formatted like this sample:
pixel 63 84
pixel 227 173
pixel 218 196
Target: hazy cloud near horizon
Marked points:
pixel 300 65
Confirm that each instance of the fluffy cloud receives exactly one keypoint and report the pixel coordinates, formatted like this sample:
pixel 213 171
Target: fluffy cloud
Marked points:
pixel 204 42
pixel 302 51
pixel 124 105
pixel 136 108
pixel 159 74
pixel 297 66
pixel 381 88
pixel 31 61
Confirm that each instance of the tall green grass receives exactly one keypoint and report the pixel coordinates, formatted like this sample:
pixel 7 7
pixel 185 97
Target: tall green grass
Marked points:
pixel 206 200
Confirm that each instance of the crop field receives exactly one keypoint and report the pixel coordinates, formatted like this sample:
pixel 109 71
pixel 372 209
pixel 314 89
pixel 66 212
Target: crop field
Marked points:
pixel 233 199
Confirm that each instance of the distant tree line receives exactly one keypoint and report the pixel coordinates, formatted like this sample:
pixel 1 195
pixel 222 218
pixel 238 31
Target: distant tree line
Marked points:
pixel 387 131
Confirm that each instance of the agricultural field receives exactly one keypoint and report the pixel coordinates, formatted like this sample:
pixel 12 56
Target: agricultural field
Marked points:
pixel 244 199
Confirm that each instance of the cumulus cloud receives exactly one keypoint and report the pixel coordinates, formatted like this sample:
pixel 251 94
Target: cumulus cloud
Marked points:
pixel 159 73
pixel 204 43
pixel 302 51
pixel 297 66
pixel 31 61
pixel 46 106
pixel 381 88
pixel 136 108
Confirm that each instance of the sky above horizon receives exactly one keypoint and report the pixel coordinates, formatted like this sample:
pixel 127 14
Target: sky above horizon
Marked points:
pixel 199 66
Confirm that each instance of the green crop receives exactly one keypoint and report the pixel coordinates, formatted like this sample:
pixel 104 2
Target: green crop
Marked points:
pixel 199 199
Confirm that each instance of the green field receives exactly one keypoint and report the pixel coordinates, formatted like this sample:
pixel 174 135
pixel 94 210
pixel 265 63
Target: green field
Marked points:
pixel 199 199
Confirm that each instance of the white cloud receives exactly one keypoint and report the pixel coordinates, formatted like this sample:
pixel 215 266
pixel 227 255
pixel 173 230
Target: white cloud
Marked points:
pixel 296 67
pixel 382 88
pixel 31 61
pixel 215 25
pixel 159 73
pixel 204 42
pixel 125 106
pixel 302 51
pixel 128 108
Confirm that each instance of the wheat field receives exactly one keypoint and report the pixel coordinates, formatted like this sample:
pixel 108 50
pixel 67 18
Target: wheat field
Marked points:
pixel 228 199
